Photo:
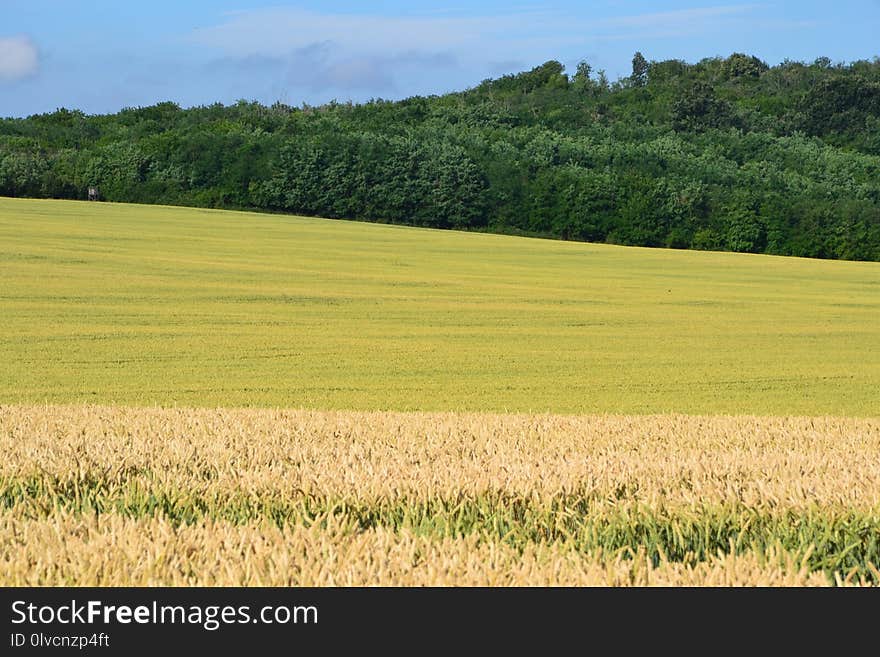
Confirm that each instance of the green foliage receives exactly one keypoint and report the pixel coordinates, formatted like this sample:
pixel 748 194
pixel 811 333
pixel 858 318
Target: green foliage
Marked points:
pixel 699 109
pixel 840 104
pixel 727 153
pixel 740 65
pixel 745 232
pixel 640 68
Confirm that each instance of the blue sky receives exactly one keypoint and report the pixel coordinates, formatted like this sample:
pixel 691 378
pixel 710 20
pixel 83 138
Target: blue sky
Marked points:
pixel 103 55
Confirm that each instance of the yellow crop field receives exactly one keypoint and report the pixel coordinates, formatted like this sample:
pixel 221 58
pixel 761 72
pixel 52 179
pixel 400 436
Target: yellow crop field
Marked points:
pixel 223 398
pixel 145 305
pixel 109 495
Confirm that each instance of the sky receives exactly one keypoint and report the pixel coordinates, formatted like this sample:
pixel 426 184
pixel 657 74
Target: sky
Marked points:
pixel 103 55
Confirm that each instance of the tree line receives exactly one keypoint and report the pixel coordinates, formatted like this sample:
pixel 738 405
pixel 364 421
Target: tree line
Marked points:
pixel 723 154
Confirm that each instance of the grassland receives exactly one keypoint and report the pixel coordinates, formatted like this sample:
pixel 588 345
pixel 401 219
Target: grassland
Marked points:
pixel 430 407
pixel 108 495
pixel 125 304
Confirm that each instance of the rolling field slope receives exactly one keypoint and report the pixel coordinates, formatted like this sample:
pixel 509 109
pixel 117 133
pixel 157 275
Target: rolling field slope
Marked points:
pixel 427 407
pixel 126 304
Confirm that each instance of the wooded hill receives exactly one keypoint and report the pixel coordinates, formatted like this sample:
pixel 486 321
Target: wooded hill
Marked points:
pixel 724 154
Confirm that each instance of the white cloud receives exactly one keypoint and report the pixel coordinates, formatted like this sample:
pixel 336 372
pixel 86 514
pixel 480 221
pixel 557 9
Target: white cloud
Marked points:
pixel 280 30
pixel 18 58
pixel 343 52
pixel 677 24
pixel 682 17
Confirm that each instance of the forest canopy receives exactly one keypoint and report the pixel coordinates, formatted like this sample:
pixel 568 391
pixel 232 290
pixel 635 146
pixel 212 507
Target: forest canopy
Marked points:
pixel 724 154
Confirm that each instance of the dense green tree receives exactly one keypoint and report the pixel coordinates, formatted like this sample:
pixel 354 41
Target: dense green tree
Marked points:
pixel 582 79
pixel 699 108
pixel 640 69
pixel 739 65
pixel 839 104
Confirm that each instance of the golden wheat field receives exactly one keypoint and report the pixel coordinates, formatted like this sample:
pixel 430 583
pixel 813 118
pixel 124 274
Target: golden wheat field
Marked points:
pixel 96 495
pixel 458 382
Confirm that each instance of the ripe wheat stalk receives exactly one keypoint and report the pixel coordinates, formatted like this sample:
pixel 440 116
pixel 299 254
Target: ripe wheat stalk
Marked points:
pixel 114 495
